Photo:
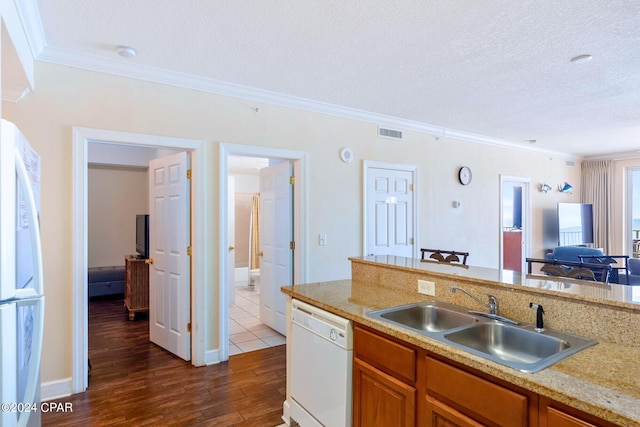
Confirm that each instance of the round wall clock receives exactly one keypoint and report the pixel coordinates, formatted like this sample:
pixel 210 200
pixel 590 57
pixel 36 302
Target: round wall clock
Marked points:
pixel 464 175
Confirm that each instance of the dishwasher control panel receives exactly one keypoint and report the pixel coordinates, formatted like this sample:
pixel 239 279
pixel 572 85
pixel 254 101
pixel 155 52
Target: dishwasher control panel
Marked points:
pixel 324 324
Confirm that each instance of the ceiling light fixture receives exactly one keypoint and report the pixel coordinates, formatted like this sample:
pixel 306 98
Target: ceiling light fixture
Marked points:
pixel 581 58
pixel 530 141
pixel 126 51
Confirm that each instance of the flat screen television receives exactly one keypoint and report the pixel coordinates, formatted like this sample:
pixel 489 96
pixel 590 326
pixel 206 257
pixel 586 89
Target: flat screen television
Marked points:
pixel 142 235
pixel 575 224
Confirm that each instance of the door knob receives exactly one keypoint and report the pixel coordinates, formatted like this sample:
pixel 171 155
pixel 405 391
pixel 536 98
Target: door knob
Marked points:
pixel 149 261
pixel 260 253
pixel 231 248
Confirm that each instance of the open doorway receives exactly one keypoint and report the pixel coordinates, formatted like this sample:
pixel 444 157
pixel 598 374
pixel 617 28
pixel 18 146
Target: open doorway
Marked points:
pixel 514 223
pixel 632 239
pixel 247 329
pixel 117 193
pixel 81 138
pixel 231 156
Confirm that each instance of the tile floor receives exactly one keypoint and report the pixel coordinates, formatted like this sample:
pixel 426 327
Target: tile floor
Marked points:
pixel 246 332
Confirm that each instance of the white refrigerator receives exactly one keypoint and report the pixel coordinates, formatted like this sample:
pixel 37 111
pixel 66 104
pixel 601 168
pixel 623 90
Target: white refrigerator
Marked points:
pixel 21 287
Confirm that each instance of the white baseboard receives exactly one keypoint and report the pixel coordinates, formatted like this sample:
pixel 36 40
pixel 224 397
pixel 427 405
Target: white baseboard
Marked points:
pixel 56 389
pixel 285 413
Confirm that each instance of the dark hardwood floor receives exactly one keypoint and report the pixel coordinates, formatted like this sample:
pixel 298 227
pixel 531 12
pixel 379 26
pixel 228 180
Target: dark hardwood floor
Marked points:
pixel 136 383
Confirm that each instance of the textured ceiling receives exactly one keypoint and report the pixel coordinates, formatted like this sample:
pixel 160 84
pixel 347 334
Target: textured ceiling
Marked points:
pixel 496 68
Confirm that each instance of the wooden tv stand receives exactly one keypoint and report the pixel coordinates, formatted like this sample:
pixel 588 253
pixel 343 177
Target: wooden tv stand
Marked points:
pixel 136 288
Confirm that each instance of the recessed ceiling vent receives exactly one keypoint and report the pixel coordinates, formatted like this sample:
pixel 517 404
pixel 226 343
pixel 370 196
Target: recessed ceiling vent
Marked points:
pixel 570 163
pixel 389 133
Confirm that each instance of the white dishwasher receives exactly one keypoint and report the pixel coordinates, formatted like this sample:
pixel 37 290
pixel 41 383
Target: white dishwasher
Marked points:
pixel 321 366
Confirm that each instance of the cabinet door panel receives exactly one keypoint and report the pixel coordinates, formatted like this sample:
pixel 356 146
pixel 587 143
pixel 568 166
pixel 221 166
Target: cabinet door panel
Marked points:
pixel 441 415
pixel 381 400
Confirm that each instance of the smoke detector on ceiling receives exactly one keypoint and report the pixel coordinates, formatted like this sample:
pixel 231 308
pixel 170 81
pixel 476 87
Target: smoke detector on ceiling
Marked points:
pixel 126 51
pixel 582 58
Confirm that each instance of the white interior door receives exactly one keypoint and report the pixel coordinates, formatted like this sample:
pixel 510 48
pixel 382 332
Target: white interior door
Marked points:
pixel 389 211
pixel 169 238
pixel 231 236
pixel 276 231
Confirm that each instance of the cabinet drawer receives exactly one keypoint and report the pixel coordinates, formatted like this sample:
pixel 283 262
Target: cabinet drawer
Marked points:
pixel 561 419
pixel 555 414
pixel 385 354
pixel 478 398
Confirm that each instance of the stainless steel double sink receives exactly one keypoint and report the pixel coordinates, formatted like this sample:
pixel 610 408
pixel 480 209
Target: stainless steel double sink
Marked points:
pixel 518 346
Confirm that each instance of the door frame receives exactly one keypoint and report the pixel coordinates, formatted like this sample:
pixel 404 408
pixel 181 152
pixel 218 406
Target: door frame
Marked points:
pixel 374 164
pixel 627 223
pixel 299 163
pixel 526 220
pixel 200 241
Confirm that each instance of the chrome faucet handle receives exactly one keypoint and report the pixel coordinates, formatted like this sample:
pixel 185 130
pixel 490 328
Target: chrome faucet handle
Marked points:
pixel 493 303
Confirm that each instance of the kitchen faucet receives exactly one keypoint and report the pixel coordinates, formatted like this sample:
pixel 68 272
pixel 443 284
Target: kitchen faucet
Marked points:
pixel 493 302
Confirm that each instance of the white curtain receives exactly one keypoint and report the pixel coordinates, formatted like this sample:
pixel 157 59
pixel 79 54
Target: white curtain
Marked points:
pixel 597 189
pixel 254 233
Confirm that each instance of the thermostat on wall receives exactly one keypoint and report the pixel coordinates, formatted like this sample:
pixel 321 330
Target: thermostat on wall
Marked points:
pixel 346 155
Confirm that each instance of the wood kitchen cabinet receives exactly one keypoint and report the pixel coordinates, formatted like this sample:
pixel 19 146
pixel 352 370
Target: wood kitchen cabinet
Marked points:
pixel 382 400
pixel 383 381
pixel 397 384
pixel 136 288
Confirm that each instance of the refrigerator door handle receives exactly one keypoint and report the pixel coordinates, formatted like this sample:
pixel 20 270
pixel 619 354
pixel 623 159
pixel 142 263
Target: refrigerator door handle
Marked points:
pixel 34 227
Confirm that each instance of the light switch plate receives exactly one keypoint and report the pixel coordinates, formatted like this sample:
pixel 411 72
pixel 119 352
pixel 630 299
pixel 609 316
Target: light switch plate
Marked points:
pixel 426 287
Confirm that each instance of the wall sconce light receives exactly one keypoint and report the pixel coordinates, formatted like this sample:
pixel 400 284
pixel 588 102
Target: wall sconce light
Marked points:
pixel 566 188
pixel 544 188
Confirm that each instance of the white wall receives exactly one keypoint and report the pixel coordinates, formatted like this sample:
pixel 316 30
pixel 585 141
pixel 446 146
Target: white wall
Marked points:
pixel 116 196
pixel 67 97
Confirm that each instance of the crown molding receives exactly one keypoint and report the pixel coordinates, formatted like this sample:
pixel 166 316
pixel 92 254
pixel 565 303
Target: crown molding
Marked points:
pixel 14 92
pixel 32 24
pixel 124 68
pixel 497 142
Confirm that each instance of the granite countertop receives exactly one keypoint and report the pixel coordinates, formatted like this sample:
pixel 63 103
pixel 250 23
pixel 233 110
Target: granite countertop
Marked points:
pixel 603 380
